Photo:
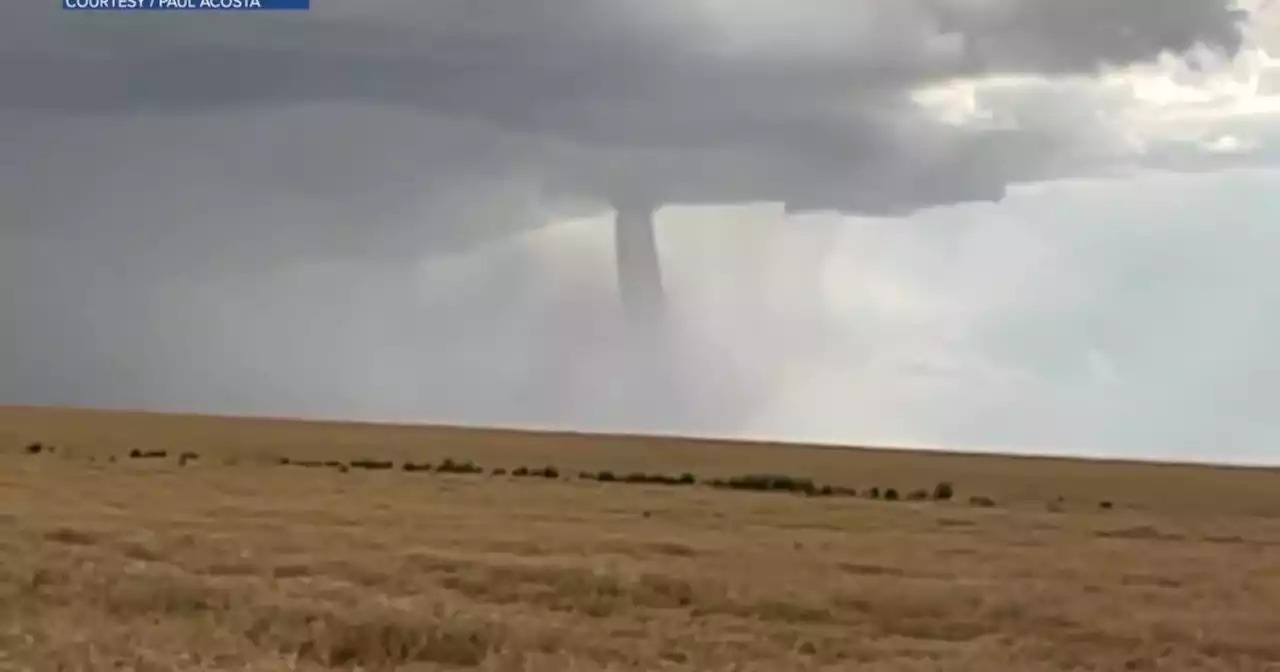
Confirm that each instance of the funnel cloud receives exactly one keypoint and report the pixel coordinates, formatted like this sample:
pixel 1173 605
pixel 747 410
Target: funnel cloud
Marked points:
pixel 639 271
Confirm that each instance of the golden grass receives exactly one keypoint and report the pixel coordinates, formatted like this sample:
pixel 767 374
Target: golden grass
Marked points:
pixel 232 563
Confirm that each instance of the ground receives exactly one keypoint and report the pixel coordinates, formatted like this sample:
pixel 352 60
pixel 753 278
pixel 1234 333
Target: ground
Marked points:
pixel 235 561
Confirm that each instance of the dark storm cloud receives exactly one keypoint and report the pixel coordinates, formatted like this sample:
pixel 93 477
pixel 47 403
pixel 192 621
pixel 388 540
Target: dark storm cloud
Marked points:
pixel 689 101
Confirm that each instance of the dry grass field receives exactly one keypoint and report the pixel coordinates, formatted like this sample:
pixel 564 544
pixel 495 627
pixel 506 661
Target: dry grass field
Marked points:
pixel 235 561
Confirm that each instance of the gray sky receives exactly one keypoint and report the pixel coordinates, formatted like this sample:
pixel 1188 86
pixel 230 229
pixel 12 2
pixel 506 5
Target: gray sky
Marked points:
pixel 1053 231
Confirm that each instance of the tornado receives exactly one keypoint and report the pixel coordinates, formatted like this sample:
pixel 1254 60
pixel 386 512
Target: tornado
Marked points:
pixel 639 272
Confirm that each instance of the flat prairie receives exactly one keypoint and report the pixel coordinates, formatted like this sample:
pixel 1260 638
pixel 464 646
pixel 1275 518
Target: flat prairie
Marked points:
pixel 231 559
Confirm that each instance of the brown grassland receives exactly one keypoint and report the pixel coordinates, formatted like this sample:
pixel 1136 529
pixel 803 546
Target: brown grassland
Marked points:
pixel 234 561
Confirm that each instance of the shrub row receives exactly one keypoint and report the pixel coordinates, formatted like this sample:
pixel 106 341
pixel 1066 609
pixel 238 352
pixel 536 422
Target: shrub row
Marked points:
pixel 548 472
pixel 448 466
pixel 780 483
pixel 806 486
pixel 320 464
pixel 638 477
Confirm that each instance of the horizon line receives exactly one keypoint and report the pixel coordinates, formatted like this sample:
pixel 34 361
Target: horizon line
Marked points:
pixel 551 431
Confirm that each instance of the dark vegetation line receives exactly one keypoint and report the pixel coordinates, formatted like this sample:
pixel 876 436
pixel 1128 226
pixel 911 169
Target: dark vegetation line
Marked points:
pixel 774 483
pixel 511 431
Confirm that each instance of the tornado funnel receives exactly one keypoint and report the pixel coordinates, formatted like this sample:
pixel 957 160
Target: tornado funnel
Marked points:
pixel 639 273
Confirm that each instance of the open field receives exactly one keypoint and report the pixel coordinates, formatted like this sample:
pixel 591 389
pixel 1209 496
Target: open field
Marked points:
pixel 234 561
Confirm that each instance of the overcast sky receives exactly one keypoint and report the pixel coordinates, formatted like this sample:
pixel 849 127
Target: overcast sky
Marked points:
pixel 1030 225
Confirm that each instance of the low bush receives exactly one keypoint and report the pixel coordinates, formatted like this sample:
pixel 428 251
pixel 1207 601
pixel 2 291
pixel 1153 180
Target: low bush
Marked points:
pixel 372 465
pixel 768 483
pixel 547 472
pixel 660 479
pixel 451 466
